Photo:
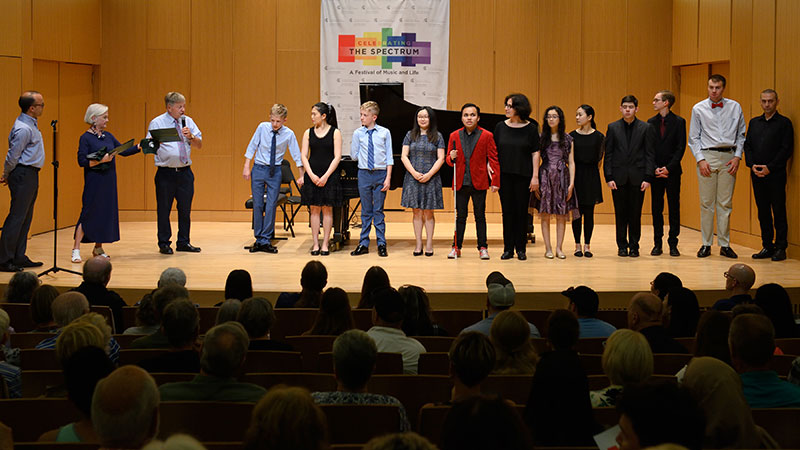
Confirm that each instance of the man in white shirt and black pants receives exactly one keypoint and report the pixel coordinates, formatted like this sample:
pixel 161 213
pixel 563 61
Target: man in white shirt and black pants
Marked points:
pixel 716 137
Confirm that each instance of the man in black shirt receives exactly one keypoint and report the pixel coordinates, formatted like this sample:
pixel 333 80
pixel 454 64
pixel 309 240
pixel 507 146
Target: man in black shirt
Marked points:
pixel 767 147
pixel 96 275
pixel 670 144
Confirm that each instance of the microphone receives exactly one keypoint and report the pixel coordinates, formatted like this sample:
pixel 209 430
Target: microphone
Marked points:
pixel 183 122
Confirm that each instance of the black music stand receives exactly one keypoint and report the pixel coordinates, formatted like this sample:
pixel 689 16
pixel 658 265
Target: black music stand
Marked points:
pixel 55 268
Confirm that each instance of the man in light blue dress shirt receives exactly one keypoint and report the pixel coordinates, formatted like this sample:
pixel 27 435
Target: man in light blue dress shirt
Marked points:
pixel 24 159
pixel 372 148
pixel 174 177
pixel 268 147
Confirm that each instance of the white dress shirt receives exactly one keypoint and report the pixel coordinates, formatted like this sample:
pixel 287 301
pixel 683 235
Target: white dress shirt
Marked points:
pixel 716 127
pixel 169 153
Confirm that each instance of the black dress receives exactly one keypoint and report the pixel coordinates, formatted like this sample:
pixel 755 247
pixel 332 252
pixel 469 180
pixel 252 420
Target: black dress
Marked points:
pixel 588 154
pixel 319 158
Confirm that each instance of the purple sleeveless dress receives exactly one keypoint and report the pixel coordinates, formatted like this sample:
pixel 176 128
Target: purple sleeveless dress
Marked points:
pixel 554 181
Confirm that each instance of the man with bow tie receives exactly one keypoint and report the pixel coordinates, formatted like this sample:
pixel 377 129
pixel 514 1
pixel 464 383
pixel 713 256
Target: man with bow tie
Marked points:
pixel 716 138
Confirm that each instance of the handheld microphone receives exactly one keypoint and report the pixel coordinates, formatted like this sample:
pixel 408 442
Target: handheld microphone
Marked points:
pixel 183 122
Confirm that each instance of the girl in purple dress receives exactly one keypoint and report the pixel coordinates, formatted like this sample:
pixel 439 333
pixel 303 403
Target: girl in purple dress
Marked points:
pixel 554 180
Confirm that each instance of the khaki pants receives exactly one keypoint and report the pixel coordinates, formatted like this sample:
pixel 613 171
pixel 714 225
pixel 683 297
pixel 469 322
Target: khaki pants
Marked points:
pixel 716 192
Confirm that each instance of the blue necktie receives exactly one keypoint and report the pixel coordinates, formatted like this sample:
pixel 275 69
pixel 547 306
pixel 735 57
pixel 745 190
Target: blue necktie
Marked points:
pixel 370 151
pixel 272 152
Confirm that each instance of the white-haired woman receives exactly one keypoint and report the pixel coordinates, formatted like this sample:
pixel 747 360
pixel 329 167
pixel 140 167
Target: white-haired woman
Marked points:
pixel 99 219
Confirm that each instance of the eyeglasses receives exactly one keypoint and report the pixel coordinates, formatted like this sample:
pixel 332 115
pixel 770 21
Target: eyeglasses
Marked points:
pixel 727 275
pixel 510 106
pixel 550 117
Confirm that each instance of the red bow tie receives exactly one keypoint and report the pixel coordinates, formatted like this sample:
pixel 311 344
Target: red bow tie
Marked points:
pixel 716 105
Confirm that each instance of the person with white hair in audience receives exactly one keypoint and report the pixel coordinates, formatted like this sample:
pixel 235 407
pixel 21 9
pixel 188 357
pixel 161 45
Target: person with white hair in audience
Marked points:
pixel 125 409
pixel 387 329
pixel 181 325
pixel 147 321
pixel 627 360
pixel 222 359
pixel 162 297
pixel 354 356
pixel 9 372
pixel 739 278
pixel 21 286
pixel 96 275
pixel 172 275
pixel 645 316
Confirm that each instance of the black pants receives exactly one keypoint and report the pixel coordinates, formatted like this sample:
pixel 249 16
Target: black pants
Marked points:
pixel 478 208
pixel 175 185
pixel 672 186
pixel 515 195
pixel 23 182
pixel 587 216
pixel 628 200
pixel 770 195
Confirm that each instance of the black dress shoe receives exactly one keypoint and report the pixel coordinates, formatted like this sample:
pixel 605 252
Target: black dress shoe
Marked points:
pixel 521 256
pixel 507 255
pixel 728 252
pixel 10 267
pixel 324 252
pixel 588 254
pixel 417 253
pixel 634 253
pixel 622 252
pixel 28 263
pixel 780 255
pixel 315 252
pixel 268 248
pixel 256 247
pixel 704 251
pixel 360 250
pixel 187 248
pixel 382 251
pixel 656 251
pixel 428 253
pixel 765 253
pixel 165 250
pixel 578 253
pixel 673 251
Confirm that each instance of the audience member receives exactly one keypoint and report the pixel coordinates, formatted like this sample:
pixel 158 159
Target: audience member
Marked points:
pixel 718 391
pixel 680 312
pixel 125 408
pixel 334 316
pixel 20 287
pixel 354 356
pixel 794 372
pixel 746 308
pixel 399 441
pixel 663 283
pixel 752 342
pixel 82 370
pixel 162 297
pixel 644 316
pixel 147 321
pixel 500 297
pixel 739 278
pixel 627 360
pixel 10 373
pixel 313 280
pixel 176 442
pixel 584 303
pixel 484 423
pixel 228 311
pixel 42 308
pixel 238 285
pixel 773 299
pixel 387 332
pixel 558 411
pixel 657 412
pixel 257 317
pixel 511 338
pixel 287 418
pixel 181 325
pixel 418 320
pixel 172 275
pixel 66 308
pixel 374 279
pixel 76 336
pixel 472 359
pixel 96 275
pixel 712 336
pixel 222 358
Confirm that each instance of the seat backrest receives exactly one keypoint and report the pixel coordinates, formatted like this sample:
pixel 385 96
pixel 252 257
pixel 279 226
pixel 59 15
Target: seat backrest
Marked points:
pixel 28 418
pixel 125 340
pixel 56 446
pixel 172 377
pixel 36 382
pixel 436 343
pixel 455 320
pixel 789 346
pixel 537 317
pixel 413 391
pixel 782 364
pixel 311 346
pixel 202 420
pixel 106 312
pixel 616 317
pixel 128 317
pixel 688 342
pixel 38 359
pixel 434 363
pixel 781 424
pixel 606 417
pixel 430 422
pixel 592 364
pixel 314 382
pixel 20 315
pixel 371 420
pixel 27 340
pixel 362 318
pixel 261 361
pixel 208 317
pixel 516 388
pixel 592 346
pixel 292 322
pixel 385 363
pixel 669 363
pixel 135 355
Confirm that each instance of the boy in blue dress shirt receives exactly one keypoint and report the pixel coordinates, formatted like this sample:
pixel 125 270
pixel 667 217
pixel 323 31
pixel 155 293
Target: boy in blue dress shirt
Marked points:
pixel 372 148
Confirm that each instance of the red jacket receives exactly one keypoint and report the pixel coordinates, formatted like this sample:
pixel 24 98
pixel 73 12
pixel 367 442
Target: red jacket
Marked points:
pixel 485 151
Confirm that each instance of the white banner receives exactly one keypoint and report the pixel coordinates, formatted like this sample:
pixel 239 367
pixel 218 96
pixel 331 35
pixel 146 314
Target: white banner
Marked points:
pixel 404 41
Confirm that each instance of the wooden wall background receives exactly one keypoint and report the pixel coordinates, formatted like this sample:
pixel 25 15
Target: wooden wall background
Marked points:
pixel 235 58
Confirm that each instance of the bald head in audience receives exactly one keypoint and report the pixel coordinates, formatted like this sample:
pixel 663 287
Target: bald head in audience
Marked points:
pixel 644 311
pixel 97 270
pixel 125 408
pixel 224 350
pixel 68 307
pixel 740 279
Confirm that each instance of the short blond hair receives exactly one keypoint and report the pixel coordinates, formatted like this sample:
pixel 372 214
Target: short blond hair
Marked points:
pixel 627 357
pixel 94 110
pixel 278 109
pixel 174 97
pixel 371 107
pixel 99 321
pixel 5 322
pixel 77 335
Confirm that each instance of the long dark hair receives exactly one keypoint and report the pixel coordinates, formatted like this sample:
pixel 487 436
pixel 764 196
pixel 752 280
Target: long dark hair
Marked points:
pixel 334 316
pixel 589 112
pixel 775 302
pixel 374 279
pixel 545 140
pixel 417 321
pixel 432 132
pixel 239 285
pixel 329 112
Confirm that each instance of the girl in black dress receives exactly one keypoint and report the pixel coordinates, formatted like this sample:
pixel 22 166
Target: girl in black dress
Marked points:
pixel 321 152
pixel 588 143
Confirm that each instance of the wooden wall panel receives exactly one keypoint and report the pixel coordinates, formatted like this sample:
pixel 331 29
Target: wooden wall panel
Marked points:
pixel 604 25
pixel 693 89
pixel 45 78
pixel 169 24
pixel 50 30
pixel 560 33
pixel 684 31
pixel 11 24
pixel 517 44
pixel 763 51
pixel 714 30
pixel 648 34
pixel 471 66
pixel 10 89
pixel 301 32
pixel 85 31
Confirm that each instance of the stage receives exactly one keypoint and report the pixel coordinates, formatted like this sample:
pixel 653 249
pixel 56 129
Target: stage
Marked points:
pixel 452 283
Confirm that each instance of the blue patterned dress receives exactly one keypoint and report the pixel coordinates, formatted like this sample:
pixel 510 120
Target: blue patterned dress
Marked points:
pixel 423 155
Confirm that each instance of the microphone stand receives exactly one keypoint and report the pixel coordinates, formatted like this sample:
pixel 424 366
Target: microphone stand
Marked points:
pixel 55 268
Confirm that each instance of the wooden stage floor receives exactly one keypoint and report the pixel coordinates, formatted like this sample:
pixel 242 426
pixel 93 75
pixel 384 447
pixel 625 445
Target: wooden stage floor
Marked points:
pixel 137 263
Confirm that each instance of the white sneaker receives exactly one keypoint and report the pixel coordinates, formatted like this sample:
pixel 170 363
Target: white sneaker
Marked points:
pixel 98 251
pixel 454 253
pixel 76 255
pixel 484 253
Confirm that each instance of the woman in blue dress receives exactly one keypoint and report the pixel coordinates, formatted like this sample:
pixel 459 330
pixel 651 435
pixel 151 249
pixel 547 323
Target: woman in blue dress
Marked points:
pixel 423 156
pixel 99 219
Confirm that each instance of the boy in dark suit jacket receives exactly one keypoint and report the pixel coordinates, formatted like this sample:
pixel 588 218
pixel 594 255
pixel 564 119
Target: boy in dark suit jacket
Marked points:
pixel 629 169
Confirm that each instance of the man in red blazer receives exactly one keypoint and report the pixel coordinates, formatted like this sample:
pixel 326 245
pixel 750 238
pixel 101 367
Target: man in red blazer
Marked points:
pixel 472 149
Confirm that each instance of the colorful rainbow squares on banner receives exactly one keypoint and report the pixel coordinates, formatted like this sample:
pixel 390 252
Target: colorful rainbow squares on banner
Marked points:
pixel 382 49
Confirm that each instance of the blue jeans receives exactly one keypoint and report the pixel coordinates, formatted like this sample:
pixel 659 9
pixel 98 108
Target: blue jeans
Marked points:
pixel 264 211
pixel 370 183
